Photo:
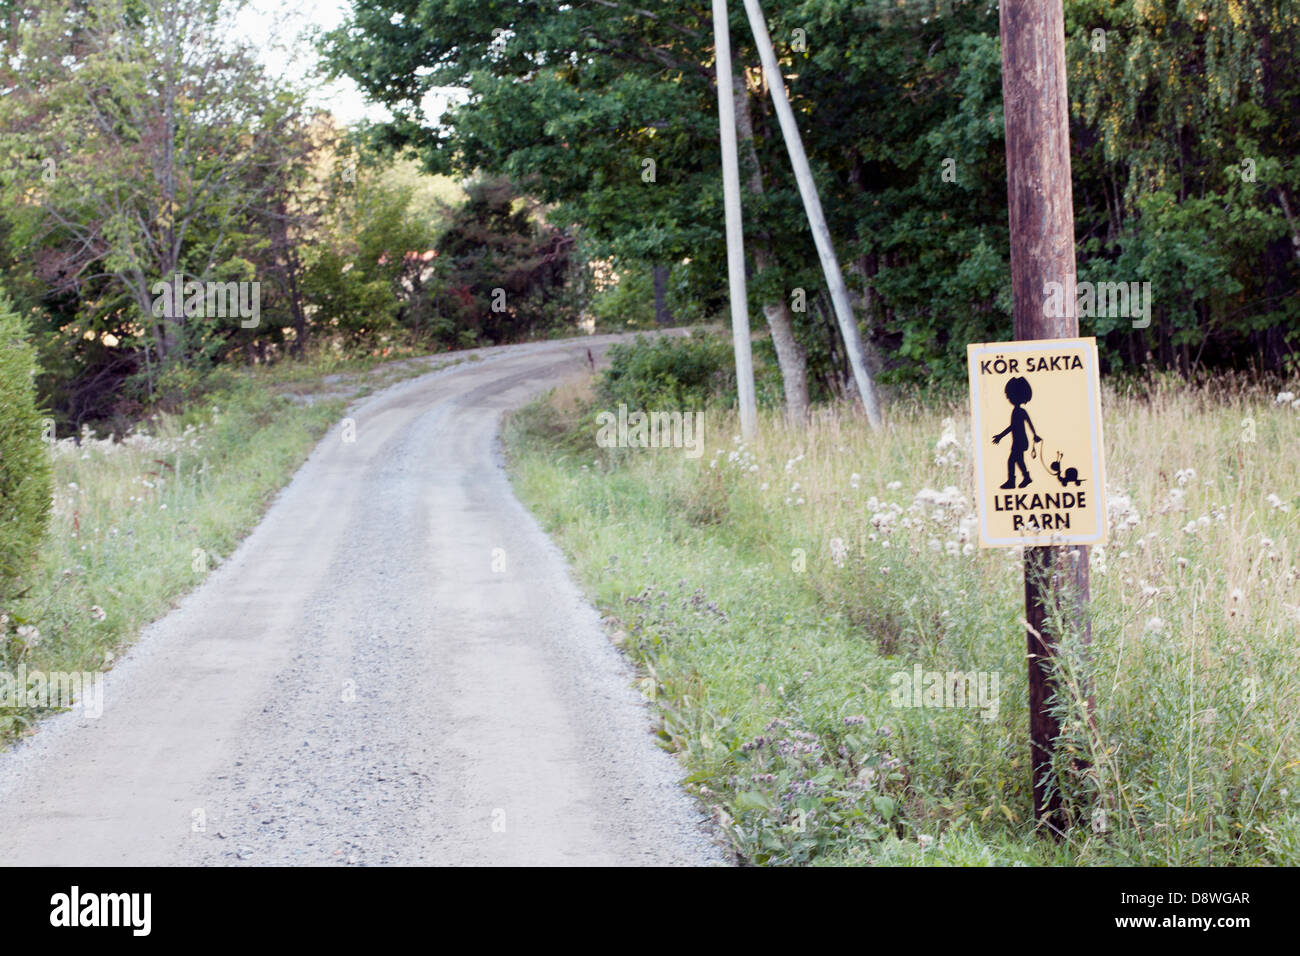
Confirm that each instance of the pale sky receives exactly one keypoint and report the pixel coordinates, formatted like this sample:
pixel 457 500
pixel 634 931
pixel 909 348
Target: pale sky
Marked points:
pixel 275 27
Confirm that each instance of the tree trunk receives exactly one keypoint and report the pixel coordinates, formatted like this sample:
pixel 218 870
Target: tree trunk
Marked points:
pixel 662 316
pixel 790 354
pixel 1291 221
pixel 299 314
pixel 865 268
pixel 288 262
pixel 169 260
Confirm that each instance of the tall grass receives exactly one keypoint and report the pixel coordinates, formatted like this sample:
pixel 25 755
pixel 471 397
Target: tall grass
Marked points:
pixel 771 592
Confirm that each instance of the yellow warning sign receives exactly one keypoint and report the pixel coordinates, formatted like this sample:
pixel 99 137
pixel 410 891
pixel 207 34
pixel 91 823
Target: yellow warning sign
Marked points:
pixel 1039 463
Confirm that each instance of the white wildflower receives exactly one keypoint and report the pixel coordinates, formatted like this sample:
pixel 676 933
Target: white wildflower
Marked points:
pixel 948 447
pixel 966 528
pixel 1123 513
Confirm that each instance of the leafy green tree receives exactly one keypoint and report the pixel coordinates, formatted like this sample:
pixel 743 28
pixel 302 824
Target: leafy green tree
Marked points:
pixel 1185 173
pixel 606 109
pixel 359 251
pixel 139 142
pixel 900 105
pixel 24 458
pixel 502 275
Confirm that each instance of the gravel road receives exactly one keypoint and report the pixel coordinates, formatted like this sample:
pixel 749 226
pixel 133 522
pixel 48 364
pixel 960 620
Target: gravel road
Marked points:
pixel 368 680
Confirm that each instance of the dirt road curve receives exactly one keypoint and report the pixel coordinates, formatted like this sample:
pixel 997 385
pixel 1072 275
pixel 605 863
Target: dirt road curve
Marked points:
pixel 357 684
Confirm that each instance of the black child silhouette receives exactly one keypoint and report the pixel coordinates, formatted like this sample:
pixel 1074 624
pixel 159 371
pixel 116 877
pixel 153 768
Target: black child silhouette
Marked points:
pixel 1018 393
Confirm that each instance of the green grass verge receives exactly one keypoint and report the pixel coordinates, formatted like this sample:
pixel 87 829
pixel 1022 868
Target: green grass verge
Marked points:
pixel 772 594
pixel 137 523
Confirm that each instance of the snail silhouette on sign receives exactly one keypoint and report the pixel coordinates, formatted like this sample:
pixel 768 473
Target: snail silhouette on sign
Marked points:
pixel 1069 476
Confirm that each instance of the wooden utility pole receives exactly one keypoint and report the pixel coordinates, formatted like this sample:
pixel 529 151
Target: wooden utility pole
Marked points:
pixel 735 229
pixel 816 219
pixel 1042 250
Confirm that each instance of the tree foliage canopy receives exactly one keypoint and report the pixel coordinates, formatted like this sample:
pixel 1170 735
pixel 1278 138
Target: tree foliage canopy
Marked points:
pixel 899 102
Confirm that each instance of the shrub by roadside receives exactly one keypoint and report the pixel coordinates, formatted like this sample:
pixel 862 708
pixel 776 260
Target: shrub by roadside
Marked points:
pixel 682 373
pixel 24 461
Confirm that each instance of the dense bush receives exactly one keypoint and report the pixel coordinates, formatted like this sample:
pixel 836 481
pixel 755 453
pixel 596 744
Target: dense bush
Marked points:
pixel 629 303
pixel 685 372
pixel 669 372
pixel 24 460
pixel 501 274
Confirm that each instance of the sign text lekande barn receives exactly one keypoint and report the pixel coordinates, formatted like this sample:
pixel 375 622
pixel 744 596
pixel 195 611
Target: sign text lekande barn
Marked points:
pixel 1039 462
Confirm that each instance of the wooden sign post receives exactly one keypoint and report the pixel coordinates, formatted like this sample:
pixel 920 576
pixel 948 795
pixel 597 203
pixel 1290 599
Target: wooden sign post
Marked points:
pixel 1042 251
